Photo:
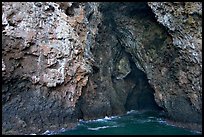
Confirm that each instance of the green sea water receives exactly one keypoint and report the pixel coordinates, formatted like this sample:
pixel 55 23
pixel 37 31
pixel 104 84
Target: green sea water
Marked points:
pixel 132 123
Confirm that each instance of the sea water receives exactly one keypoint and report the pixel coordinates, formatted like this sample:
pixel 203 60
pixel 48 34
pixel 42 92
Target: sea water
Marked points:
pixel 132 123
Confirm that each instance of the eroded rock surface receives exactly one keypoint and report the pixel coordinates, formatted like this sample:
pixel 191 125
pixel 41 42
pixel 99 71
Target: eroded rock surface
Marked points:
pixel 180 89
pixel 44 68
pixel 66 61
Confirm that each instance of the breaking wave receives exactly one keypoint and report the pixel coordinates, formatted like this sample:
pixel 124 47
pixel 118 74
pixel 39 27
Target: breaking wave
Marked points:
pixel 133 122
pixel 105 119
pixel 103 127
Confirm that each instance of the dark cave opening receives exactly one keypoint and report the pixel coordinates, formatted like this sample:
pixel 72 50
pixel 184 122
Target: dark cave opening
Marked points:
pixel 142 95
pixel 108 89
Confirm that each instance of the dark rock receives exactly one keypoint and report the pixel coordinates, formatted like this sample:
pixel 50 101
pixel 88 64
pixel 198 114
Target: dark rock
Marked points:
pixel 66 61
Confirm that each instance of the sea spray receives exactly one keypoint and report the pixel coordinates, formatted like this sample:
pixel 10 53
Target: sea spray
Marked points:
pixel 131 123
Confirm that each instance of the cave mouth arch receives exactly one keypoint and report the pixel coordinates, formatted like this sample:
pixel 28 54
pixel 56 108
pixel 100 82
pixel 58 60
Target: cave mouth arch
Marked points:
pixel 141 97
pixel 116 84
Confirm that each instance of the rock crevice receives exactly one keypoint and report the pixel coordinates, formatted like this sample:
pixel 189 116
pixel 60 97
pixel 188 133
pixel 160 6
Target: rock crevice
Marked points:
pixel 66 61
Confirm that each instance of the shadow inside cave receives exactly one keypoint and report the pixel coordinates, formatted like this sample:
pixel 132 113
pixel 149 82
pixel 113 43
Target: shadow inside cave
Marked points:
pixel 142 95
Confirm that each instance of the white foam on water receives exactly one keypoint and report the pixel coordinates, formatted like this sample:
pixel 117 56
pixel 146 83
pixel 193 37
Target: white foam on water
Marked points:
pixel 105 119
pixel 100 120
pixel 110 118
pixel 103 127
pixel 62 130
pixel 151 117
pixel 134 112
pixel 131 111
pixel 94 120
pixel 47 132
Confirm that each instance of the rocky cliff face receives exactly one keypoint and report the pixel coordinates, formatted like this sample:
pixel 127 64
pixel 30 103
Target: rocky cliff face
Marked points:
pixel 180 89
pixel 45 67
pixel 66 61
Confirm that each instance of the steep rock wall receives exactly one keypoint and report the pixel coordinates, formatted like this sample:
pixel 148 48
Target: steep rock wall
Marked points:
pixel 66 61
pixel 45 64
pixel 180 90
pixel 116 85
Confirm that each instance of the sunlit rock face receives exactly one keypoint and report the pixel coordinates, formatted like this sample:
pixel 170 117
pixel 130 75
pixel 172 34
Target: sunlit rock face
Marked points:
pixel 43 64
pixel 66 61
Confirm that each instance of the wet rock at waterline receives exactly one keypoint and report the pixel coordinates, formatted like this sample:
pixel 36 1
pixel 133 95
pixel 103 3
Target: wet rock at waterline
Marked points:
pixel 66 61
